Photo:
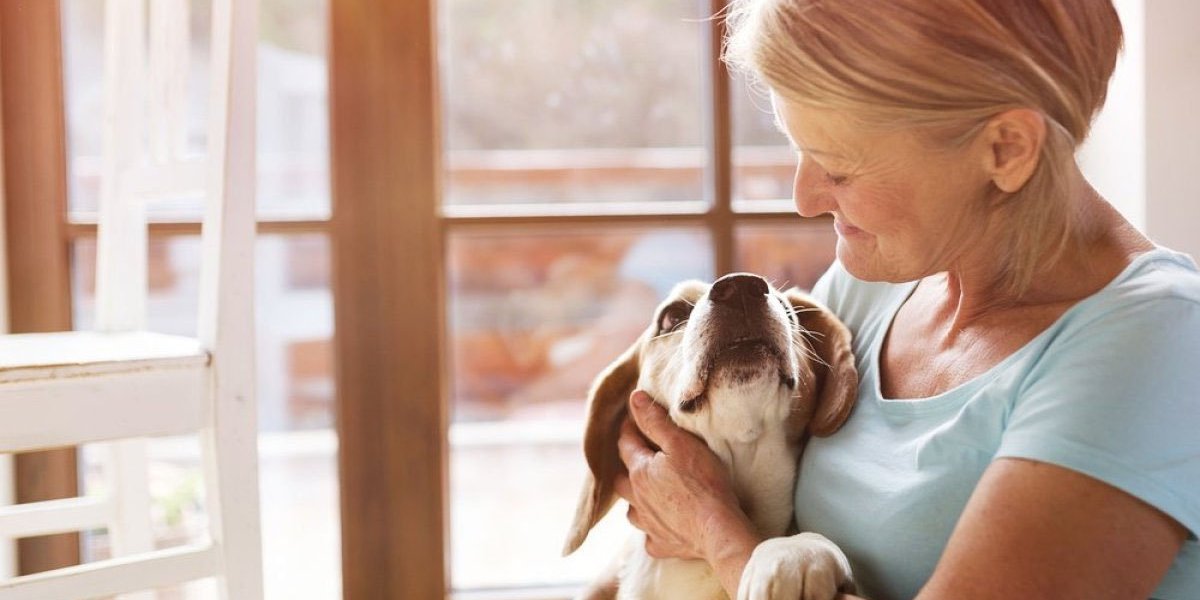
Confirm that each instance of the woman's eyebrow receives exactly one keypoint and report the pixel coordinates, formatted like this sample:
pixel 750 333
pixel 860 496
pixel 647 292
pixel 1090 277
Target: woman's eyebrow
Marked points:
pixel 806 149
pixel 816 152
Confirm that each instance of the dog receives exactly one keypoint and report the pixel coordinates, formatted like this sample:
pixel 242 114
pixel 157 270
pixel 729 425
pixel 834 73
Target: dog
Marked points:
pixel 753 372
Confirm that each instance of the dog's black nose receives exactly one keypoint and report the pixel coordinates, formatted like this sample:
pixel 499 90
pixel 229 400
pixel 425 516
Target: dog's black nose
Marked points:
pixel 738 289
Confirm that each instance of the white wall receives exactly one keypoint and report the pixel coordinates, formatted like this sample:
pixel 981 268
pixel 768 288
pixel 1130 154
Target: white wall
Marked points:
pixel 1144 151
pixel 1113 158
pixel 1173 123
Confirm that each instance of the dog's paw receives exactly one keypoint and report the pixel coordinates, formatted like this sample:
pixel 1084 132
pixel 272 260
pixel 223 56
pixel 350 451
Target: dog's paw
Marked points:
pixel 806 566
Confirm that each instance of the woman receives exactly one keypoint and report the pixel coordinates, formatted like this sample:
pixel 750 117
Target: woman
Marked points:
pixel 1029 417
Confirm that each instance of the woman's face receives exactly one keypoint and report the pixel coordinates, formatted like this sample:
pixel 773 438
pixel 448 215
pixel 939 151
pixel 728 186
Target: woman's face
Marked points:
pixel 903 209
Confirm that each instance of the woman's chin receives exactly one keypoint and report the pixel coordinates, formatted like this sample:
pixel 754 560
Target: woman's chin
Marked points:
pixel 869 265
pixel 863 265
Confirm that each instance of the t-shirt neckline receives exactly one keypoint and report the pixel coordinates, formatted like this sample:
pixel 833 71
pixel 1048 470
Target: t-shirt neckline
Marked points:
pixel 941 399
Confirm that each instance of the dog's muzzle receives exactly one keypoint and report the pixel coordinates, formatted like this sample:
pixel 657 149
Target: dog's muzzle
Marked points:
pixel 742 337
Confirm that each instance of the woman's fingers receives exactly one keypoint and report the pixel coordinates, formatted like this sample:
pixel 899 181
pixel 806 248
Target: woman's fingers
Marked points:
pixel 654 422
pixel 667 490
pixel 657 550
pixel 623 488
pixel 632 446
pixel 653 547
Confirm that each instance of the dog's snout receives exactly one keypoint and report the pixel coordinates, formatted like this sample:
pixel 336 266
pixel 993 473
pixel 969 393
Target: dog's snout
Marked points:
pixel 738 288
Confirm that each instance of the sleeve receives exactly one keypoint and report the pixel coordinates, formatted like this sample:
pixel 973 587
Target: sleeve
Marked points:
pixel 1118 399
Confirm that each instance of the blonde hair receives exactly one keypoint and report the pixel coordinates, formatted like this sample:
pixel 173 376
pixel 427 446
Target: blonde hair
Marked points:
pixel 945 67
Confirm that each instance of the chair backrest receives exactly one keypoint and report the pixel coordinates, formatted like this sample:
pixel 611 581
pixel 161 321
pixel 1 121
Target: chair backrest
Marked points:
pixel 146 70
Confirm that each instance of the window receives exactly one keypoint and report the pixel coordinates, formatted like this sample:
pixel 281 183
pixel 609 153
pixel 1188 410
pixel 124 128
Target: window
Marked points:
pixel 595 155
pixel 298 473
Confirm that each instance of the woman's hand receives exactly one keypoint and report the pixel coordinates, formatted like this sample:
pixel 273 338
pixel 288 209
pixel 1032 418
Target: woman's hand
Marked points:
pixel 680 495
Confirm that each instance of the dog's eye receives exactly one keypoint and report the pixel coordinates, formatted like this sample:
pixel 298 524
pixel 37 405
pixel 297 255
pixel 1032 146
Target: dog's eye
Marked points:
pixel 787 308
pixel 673 317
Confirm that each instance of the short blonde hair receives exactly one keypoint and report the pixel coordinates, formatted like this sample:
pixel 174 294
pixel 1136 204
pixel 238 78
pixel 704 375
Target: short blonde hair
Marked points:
pixel 946 67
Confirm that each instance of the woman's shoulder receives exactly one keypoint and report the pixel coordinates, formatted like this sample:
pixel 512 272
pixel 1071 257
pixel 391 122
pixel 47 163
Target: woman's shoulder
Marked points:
pixel 1151 309
pixel 1162 273
pixel 1156 281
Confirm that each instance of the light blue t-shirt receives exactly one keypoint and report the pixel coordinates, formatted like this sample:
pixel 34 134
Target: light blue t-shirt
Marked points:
pixel 1111 389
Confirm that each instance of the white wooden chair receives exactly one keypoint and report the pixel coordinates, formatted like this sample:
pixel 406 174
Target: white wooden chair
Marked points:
pixel 120 383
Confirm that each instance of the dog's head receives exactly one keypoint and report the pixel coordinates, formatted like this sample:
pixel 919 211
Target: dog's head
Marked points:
pixel 727 360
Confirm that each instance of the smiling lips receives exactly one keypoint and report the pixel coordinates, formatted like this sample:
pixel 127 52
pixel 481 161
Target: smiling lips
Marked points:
pixel 845 229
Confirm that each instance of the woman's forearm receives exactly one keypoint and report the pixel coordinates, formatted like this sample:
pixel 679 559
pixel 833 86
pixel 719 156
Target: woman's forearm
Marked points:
pixel 729 540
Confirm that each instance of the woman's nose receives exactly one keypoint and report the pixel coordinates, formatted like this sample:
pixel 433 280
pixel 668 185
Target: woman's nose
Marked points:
pixel 811 200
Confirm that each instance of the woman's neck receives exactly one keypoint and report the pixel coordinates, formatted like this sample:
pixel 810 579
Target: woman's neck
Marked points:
pixel 1100 245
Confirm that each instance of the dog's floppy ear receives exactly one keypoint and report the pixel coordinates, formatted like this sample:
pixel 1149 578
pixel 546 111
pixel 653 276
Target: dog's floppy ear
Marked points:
pixel 835 376
pixel 607 409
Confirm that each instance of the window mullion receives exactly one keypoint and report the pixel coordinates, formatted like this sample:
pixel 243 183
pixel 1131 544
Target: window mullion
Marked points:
pixel 718 141
pixel 387 261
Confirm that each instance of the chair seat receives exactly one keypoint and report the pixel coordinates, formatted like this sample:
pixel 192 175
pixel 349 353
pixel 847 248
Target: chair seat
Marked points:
pixel 63 389
pixel 33 356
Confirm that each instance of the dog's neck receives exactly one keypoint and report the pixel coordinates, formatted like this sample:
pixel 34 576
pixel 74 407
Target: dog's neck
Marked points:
pixel 745 427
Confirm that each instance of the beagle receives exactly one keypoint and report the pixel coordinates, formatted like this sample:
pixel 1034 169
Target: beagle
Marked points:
pixel 753 372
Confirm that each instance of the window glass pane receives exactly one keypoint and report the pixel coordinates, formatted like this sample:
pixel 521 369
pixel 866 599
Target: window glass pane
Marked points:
pixel 572 101
pixel 788 255
pixel 763 164
pixel 293 165
pixel 297 442
pixel 534 316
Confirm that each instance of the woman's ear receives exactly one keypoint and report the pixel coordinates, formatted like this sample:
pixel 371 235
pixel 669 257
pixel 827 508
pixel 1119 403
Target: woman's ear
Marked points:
pixel 1013 140
pixel 608 405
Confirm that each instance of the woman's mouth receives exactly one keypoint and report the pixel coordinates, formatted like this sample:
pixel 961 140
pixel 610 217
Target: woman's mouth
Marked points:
pixel 845 229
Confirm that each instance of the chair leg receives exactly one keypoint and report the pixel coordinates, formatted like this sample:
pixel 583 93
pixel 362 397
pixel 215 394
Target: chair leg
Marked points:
pixel 131 530
pixel 231 480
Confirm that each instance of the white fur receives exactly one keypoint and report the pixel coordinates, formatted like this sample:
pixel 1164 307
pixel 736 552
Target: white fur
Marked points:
pixel 806 566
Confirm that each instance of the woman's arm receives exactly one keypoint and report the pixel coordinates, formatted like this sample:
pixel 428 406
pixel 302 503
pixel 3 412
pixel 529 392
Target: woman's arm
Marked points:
pixel 1036 530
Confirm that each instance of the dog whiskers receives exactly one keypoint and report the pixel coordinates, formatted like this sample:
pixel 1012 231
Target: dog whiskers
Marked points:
pixel 807 351
pixel 796 311
pixel 673 332
pixel 810 334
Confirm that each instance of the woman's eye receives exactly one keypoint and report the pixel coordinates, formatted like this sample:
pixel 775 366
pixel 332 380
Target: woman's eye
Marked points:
pixel 835 179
